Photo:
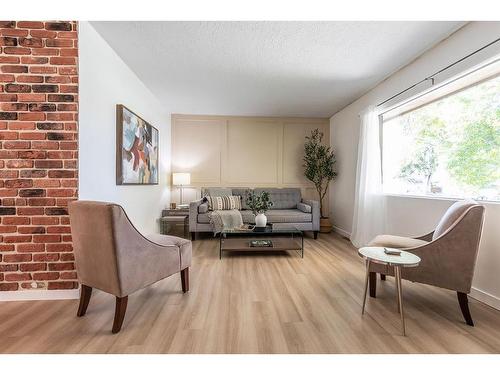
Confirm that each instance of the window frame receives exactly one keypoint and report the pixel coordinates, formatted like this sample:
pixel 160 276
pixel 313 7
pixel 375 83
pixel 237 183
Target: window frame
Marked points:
pixel 383 117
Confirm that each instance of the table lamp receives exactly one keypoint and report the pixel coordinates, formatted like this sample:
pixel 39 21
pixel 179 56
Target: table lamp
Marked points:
pixel 181 179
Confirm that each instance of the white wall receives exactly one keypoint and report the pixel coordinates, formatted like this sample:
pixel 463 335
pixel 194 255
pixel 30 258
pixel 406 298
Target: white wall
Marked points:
pixel 105 80
pixel 413 216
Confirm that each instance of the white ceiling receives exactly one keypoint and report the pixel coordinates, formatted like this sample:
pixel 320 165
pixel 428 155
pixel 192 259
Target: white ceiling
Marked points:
pixel 267 68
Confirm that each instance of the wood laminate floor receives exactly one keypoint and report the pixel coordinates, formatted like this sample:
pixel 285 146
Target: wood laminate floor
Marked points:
pixel 258 303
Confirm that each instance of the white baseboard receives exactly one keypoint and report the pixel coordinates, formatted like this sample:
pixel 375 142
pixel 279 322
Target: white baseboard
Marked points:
pixel 35 295
pixel 486 298
pixel 341 231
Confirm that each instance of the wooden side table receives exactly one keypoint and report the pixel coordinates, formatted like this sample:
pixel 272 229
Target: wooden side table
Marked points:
pixel 172 218
pixel 175 212
pixel 377 255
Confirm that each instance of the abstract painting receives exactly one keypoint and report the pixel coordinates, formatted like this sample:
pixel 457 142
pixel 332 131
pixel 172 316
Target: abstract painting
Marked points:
pixel 136 149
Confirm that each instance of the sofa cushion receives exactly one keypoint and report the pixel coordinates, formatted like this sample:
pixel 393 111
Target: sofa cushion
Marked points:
pixel 396 242
pixel 288 216
pixel 285 198
pixel 273 216
pixel 247 216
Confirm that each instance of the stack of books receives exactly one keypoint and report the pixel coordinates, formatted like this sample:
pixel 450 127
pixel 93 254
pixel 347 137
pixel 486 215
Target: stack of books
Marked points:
pixel 261 243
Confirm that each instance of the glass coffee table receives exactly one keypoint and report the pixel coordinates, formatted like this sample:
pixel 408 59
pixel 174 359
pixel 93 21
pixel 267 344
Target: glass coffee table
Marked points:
pixel 262 239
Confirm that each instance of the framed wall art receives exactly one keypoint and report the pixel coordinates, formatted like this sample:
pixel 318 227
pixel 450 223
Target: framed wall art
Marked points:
pixel 137 143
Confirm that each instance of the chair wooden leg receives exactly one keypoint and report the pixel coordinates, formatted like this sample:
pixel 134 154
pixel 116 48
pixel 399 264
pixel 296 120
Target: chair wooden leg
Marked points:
pixel 120 309
pixel 193 236
pixel 382 277
pixel 463 301
pixel 373 284
pixel 315 234
pixel 185 280
pixel 85 294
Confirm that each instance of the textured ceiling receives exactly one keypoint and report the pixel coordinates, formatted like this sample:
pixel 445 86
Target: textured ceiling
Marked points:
pixel 267 68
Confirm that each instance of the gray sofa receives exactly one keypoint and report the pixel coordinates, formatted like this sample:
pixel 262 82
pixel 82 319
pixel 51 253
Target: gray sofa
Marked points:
pixel 289 209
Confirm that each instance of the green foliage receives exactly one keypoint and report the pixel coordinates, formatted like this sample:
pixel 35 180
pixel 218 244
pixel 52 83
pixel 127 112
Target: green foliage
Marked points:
pixel 259 204
pixel 456 136
pixel 318 164
pixel 475 160
pixel 423 163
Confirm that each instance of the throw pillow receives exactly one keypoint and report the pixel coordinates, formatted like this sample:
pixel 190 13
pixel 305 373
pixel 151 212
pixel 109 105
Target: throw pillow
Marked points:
pixel 304 207
pixel 224 202
pixel 203 208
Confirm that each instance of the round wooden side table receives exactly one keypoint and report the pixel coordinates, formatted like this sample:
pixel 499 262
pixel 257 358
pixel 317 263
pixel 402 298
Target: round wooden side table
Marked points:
pixel 403 260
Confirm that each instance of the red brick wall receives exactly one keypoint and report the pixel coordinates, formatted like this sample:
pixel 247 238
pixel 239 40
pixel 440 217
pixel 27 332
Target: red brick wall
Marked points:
pixel 38 153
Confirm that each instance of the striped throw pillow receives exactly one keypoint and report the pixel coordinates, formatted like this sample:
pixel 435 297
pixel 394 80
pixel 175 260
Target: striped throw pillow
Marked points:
pixel 224 202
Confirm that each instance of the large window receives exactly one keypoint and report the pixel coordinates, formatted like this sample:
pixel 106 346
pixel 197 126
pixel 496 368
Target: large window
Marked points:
pixel 446 144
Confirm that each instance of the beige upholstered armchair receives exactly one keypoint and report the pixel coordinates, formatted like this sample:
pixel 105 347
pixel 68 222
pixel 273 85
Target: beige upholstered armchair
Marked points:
pixel 448 253
pixel 111 255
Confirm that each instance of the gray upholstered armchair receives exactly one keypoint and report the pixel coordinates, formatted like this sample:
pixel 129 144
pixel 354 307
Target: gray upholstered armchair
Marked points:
pixel 111 255
pixel 448 253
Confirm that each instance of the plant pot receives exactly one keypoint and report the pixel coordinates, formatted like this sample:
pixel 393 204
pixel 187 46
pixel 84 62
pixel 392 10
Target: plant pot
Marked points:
pixel 260 220
pixel 325 226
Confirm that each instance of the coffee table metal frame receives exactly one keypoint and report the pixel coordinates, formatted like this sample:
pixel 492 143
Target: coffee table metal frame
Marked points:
pixel 377 255
pixel 270 233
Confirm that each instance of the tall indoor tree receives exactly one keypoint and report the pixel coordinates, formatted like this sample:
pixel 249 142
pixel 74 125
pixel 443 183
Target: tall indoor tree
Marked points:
pixel 319 160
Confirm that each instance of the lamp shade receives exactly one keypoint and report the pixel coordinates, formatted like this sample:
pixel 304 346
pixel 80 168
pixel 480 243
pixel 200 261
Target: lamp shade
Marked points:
pixel 181 179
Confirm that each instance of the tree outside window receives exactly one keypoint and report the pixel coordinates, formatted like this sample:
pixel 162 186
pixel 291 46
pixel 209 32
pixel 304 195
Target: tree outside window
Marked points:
pixel 450 147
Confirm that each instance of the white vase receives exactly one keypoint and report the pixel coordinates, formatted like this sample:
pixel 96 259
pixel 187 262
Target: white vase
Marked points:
pixel 260 220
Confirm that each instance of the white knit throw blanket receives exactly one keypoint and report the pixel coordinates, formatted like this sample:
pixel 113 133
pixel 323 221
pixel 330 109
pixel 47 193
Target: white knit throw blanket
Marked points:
pixel 225 219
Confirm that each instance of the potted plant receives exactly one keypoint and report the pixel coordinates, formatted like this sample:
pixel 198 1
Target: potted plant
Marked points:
pixel 259 204
pixel 319 160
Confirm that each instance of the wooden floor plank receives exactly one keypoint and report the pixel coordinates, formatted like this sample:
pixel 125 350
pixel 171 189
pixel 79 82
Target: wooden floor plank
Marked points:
pixel 258 303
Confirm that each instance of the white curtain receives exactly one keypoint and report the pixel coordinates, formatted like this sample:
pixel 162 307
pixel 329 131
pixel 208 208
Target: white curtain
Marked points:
pixel 369 203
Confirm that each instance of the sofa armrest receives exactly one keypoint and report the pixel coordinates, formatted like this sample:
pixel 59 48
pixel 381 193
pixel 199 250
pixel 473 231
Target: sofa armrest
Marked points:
pixel 193 213
pixel 316 214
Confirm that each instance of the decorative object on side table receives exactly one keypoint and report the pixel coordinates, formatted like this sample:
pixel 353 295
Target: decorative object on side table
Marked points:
pixel 319 160
pixel 181 179
pixel 136 149
pixel 392 258
pixel 259 204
